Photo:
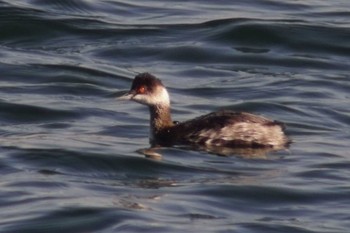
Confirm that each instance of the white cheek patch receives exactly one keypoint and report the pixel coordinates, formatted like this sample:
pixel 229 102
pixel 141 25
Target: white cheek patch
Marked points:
pixel 163 96
pixel 140 98
pixel 159 97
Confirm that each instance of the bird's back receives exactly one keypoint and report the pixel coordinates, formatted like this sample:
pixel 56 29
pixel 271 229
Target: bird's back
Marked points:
pixel 228 129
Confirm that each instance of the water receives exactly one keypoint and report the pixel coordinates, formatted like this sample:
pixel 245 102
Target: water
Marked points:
pixel 68 160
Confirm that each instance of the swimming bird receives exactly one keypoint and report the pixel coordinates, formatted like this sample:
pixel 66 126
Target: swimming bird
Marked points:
pixel 223 128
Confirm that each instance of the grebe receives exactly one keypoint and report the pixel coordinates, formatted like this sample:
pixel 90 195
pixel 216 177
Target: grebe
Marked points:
pixel 217 129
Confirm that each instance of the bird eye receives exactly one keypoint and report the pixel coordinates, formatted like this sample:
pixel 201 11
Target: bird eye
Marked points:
pixel 141 90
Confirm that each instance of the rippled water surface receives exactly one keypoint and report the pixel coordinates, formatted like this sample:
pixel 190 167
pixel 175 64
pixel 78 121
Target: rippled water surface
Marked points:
pixel 68 160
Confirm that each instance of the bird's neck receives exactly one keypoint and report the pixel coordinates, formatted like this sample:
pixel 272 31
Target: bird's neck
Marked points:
pixel 160 118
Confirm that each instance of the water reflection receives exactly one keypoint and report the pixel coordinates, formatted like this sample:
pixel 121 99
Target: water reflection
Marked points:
pixel 247 153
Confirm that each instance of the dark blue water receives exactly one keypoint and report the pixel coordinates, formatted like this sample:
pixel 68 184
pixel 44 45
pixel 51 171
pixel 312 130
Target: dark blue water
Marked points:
pixel 68 160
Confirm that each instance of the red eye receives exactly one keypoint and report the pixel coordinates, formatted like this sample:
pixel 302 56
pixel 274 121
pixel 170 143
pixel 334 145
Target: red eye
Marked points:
pixel 141 90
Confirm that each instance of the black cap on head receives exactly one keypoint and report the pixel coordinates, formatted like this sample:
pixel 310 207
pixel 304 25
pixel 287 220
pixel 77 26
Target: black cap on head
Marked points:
pixel 146 80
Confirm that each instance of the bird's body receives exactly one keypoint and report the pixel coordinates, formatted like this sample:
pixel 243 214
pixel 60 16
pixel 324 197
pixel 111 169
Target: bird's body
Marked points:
pixel 224 129
pixel 217 129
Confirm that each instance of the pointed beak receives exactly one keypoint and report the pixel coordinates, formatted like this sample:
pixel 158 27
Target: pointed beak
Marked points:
pixel 127 96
